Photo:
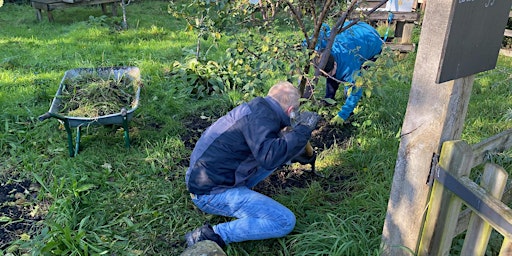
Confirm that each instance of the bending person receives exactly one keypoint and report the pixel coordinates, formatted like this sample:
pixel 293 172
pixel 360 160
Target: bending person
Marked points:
pixel 238 151
pixel 351 48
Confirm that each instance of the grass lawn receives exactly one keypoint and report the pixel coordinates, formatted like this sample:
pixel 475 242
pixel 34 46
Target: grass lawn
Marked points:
pixel 114 200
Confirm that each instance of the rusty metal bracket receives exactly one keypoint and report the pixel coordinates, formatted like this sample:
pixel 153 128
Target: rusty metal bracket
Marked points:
pixel 433 169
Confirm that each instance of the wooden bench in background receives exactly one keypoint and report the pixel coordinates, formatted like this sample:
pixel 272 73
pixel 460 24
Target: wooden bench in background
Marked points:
pixel 508 33
pixel 50 5
pixel 402 22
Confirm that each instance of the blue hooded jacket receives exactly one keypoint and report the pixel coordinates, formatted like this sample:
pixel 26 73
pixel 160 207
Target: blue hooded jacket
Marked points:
pixel 350 50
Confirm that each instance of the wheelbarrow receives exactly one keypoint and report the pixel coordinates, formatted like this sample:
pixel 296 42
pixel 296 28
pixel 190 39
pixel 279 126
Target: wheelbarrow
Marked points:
pixel 120 118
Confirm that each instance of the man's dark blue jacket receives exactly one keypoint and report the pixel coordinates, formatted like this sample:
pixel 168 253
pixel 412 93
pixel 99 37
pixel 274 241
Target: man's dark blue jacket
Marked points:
pixel 238 144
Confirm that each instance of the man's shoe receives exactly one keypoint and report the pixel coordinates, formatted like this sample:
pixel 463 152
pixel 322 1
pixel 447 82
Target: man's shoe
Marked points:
pixel 202 233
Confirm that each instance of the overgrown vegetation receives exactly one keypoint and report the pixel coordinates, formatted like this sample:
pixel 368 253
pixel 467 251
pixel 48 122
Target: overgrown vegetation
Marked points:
pixel 89 95
pixel 112 200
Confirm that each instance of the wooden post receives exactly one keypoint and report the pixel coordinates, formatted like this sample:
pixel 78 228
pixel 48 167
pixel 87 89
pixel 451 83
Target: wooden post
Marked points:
pixel 407 33
pixel 38 14
pixel 506 247
pixel 444 207
pixel 494 181
pixel 435 113
pixel 104 8
pixel 114 9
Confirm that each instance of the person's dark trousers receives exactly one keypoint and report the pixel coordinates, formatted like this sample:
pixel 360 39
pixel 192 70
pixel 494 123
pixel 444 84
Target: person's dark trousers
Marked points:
pixel 331 86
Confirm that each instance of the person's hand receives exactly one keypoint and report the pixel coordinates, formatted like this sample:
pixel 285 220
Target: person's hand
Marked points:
pixel 337 120
pixel 309 119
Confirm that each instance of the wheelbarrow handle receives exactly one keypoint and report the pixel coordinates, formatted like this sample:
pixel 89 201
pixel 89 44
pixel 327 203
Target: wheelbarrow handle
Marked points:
pixel 49 114
pixel 45 116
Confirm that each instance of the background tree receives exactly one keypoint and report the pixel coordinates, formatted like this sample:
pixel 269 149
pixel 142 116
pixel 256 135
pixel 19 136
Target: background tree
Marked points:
pixel 309 11
pixel 254 37
pixel 124 3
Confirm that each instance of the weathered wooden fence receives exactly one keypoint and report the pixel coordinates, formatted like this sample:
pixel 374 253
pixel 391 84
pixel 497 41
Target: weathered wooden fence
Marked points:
pixel 508 33
pixel 452 187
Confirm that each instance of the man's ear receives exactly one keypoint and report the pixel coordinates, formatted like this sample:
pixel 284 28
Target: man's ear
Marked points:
pixel 289 110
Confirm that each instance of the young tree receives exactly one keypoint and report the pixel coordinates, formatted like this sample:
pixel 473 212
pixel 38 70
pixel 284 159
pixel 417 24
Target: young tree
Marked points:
pixel 299 12
pixel 124 3
pixel 257 21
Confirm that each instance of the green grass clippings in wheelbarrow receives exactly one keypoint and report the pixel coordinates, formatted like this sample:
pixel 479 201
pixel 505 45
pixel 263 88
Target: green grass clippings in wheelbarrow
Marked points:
pixel 61 102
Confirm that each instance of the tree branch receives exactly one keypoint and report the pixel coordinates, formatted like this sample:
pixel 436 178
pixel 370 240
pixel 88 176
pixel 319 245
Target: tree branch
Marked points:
pixel 298 18
pixel 312 44
pixel 339 28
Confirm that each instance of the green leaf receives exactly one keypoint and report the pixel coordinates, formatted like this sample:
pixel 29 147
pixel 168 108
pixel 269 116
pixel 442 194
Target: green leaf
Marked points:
pixel 5 219
pixel 330 101
pixel 128 221
pixel 85 187
pixel 120 238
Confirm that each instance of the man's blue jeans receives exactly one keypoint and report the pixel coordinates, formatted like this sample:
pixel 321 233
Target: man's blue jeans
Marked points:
pixel 258 216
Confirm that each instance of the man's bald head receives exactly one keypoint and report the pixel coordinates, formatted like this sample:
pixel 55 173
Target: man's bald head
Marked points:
pixel 286 94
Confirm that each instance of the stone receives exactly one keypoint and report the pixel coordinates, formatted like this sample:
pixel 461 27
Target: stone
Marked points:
pixel 204 248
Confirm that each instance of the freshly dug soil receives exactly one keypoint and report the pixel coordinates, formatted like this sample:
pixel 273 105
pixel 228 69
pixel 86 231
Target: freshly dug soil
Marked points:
pixel 285 177
pixel 19 209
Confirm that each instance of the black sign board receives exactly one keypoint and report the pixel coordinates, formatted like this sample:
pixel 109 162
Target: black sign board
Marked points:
pixel 474 37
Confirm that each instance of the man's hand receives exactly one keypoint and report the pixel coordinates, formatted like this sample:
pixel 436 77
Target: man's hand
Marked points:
pixel 337 120
pixel 307 118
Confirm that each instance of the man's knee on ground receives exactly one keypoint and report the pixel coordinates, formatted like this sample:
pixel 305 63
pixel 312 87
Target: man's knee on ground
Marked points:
pixel 286 223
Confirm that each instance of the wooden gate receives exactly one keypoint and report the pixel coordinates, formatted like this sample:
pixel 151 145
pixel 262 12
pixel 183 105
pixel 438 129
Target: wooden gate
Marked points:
pixel 452 187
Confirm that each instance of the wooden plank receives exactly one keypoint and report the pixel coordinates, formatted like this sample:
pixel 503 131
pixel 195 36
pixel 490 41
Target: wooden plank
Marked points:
pixel 46 1
pixel 499 215
pixel 400 47
pixel 488 207
pixel 38 14
pixel 506 52
pixel 382 16
pixel 476 198
pixel 497 143
pixel 493 181
pixel 508 33
pixel 506 247
pixel 462 222
pixel 40 6
pixel 444 206
pixel 407 33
